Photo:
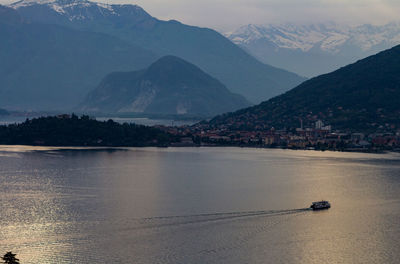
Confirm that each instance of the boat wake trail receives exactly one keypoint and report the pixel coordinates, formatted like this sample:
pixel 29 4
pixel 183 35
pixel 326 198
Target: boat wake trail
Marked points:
pixel 177 220
pixel 234 214
pixel 196 238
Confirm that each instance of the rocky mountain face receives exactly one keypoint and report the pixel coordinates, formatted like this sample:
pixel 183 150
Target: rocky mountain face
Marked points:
pixel 311 50
pixel 169 86
pixel 361 96
pixel 206 48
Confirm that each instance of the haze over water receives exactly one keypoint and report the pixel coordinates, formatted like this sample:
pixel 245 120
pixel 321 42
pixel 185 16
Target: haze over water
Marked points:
pixel 198 205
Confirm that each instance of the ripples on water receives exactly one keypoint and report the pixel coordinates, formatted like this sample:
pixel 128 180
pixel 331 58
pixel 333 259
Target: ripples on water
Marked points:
pixel 191 205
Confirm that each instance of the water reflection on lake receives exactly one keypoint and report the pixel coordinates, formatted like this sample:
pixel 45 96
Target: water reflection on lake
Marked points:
pixel 198 205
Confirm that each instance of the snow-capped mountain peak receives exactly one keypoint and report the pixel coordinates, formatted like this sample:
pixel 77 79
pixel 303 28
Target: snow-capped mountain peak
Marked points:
pixel 57 4
pixel 23 3
pixel 78 9
pixel 314 49
pixel 328 37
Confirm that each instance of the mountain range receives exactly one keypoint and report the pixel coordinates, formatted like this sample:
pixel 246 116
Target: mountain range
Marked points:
pixel 58 50
pixel 169 86
pixel 315 49
pixel 363 96
pixel 46 66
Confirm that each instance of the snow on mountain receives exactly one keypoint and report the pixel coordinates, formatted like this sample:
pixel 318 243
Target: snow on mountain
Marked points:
pixel 31 2
pixel 75 9
pixel 326 37
pixel 314 49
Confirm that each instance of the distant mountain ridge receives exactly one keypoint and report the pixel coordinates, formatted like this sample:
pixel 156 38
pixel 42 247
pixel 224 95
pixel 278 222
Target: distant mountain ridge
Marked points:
pixel 45 66
pixel 206 48
pixel 315 49
pixel 78 11
pixel 361 96
pixel 169 86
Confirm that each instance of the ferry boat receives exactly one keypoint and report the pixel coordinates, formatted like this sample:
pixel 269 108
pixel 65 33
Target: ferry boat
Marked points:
pixel 320 205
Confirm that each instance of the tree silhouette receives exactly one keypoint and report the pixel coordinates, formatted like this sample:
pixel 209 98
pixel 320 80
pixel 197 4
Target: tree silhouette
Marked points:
pixel 9 258
pixel 65 130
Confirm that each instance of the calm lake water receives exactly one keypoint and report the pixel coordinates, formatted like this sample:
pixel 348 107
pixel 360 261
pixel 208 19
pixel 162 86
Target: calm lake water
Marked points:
pixel 198 205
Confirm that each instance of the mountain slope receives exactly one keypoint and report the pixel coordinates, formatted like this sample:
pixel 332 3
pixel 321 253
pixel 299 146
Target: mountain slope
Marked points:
pixel 9 16
pixel 363 95
pixel 315 49
pixel 169 86
pixel 53 67
pixel 3 112
pixel 206 48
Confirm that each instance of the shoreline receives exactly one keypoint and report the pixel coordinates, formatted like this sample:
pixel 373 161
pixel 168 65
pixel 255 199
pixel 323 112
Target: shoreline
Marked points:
pixel 23 148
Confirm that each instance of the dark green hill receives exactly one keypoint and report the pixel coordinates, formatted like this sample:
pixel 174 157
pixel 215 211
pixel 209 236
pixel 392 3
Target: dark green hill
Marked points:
pixel 54 67
pixel 65 130
pixel 169 86
pixel 361 96
pixel 206 48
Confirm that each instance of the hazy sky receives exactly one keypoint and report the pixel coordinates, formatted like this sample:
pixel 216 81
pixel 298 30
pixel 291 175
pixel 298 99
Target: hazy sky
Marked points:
pixel 228 14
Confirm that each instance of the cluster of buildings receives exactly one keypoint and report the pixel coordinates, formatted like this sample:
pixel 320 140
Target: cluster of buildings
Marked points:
pixel 318 137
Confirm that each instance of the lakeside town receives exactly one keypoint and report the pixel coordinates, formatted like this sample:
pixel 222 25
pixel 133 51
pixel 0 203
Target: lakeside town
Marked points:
pixel 318 137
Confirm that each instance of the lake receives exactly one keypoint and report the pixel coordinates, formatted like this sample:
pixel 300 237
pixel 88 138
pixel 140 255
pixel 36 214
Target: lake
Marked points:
pixel 198 205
